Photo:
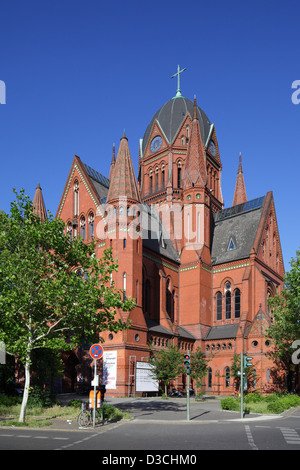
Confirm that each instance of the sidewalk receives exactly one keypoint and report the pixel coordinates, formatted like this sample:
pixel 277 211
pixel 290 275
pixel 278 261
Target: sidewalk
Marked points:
pixel 171 410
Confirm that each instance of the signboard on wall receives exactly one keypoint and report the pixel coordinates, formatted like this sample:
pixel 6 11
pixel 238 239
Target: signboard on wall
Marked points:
pixel 110 370
pixel 144 380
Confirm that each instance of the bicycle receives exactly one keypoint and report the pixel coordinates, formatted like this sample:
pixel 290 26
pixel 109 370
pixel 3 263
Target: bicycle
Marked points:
pixel 86 416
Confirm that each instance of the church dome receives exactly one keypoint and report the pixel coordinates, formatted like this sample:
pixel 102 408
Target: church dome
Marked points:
pixel 170 117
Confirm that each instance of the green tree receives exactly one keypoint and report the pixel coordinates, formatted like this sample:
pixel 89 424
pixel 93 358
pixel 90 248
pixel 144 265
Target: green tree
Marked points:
pixel 53 290
pixel 199 363
pixel 167 364
pixel 284 331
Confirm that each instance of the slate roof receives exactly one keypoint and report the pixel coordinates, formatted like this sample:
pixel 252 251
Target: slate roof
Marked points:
pixel 157 328
pixel 239 224
pixel 155 236
pixel 222 332
pixel 170 117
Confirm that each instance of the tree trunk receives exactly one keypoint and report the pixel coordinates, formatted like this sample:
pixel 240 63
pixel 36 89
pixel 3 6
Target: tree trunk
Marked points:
pixel 26 391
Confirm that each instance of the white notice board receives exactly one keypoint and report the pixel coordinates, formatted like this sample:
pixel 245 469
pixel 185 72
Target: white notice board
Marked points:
pixel 110 369
pixel 144 380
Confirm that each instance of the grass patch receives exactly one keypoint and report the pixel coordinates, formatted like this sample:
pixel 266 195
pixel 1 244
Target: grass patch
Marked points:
pixel 39 416
pixel 256 403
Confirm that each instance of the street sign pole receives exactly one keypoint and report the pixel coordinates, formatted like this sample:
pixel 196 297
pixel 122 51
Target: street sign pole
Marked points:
pixel 188 398
pixel 94 410
pixel 242 386
pixel 96 352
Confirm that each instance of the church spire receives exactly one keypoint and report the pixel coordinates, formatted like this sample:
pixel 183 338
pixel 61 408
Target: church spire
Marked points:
pixel 240 194
pixel 38 204
pixel 123 182
pixel 195 173
pixel 112 166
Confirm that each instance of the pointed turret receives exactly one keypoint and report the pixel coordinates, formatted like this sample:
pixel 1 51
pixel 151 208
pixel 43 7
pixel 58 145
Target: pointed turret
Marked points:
pixel 195 173
pixel 123 182
pixel 112 166
pixel 240 194
pixel 38 204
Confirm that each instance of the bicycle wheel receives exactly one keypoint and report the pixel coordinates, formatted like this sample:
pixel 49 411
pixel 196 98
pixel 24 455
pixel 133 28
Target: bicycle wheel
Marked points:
pixel 84 419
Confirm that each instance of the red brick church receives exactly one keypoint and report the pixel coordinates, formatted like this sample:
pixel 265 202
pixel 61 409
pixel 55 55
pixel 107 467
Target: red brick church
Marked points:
pixel 201 274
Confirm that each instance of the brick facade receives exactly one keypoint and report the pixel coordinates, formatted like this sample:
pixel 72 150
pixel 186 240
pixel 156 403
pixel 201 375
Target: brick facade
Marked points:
pixel 200 274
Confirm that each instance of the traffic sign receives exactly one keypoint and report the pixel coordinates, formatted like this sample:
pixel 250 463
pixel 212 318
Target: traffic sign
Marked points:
pixel 96 351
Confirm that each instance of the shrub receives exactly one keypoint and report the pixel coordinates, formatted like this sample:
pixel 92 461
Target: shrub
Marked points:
pixel 276 406
pixel 229 403
pixel 253 397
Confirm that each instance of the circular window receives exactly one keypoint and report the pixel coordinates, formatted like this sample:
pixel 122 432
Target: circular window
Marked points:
pixel 254 343
pixel 137 338
pixel 110 336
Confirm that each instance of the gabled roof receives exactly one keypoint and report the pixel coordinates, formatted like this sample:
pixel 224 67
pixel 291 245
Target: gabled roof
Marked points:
pixel 239 223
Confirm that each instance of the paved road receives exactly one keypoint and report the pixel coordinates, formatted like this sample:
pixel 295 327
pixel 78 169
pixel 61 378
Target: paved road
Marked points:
pixel 160 427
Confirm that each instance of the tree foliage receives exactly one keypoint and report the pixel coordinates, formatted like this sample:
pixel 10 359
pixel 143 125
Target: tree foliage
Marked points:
pixel 53 290
pixel 285 307
pixel 167 364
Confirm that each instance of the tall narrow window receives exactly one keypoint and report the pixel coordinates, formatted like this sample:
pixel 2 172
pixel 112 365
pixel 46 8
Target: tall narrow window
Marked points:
pixel 219 306
pixel 237 303
pixel 91 224
pixel 227 377
pixel 70 230
pixel 124 286
pixel 198 227
pixel 156 179
pixel 228 304
pixel 151 184
pixel 82 227
pixel 76 198
pixel 163 177
pixel 179 175
pixel 209 377
pixel 136 290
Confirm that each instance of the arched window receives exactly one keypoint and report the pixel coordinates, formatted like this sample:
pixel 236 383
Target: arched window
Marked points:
pixel 150 183
pixel 70 229
pixel 227 300
pixel 76 198
pixel 82 227
pixel 219 306
pixel 163 177
pixel 179 175
pixel 168 300
pixel 228 305
pixel 227 377
pixel 209 377
pixel 91 224
pixel 156 179
pixel 237 303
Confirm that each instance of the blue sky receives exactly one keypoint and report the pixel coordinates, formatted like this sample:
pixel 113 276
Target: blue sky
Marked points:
pixel 77 73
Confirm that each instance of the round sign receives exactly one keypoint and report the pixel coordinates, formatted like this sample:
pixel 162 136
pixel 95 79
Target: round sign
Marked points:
pixel 96 351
